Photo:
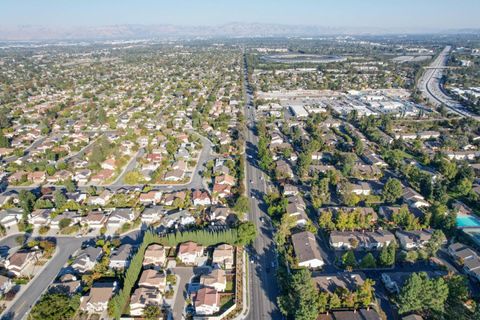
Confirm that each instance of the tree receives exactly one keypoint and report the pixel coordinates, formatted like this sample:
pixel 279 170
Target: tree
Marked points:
pixel 387 255
pixel 435 242
pixel 368 261
pixel 70 185
pixel 27 200
pixel 246 233
pixel 405 219
pixel 300 300
pixel 458 295
pixel 349 260
pixel 334 302
pixel 420 293
pixel 4 141
pixel 447 168
pixel 60 199
pixel 241 205
pixel 323 302
pixel 365 293
pixel 65 222
pixel 392 190
pixel 55 306
pixel 152 312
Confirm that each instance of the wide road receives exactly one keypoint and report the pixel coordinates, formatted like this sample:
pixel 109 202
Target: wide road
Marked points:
pixel 430 84
pixel 263 288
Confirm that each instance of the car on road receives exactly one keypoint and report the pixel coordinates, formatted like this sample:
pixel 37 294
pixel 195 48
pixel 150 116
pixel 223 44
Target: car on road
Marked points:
pixel 262 219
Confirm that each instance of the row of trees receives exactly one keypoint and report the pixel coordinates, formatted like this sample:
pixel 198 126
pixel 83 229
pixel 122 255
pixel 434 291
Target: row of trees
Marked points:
pixel 386 258
pixel 345 220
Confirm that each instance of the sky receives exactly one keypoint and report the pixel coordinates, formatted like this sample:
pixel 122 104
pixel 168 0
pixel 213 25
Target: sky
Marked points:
pixel 436 14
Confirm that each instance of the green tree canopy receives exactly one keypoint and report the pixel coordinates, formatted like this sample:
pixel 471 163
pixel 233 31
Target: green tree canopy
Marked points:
pixel 55 306
pixel 392 190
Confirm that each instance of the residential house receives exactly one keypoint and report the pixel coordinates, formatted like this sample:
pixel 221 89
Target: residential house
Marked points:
pixel 94 219
pixel 10 217
pixel 362 314
pixel 154 279
pixel 97 300
pixel 120 216
pixel 330 283
pixel 223 256
pixel 307 250
pixel 188 252
pixel 414 199
pixel 415 239
pixel 151 197
pixel 100 200
pixel 360 189
pixel 201 198
pixel 37 177
pixel 283 170
pixel 373 240
pixel 221 191
pixel 215 279
pixel 143 297
pixel 219 214
pixel 467 258
pixel 86 259
pixel 462 155
pixel 152 214
pixel 109 164
pixel 67 284
pixel 225 179
pixel 290 190
pixel 206 301
pixel 40 217
pixel 21 262
pixel 178 218
pixel 155 255
pixel 120 258
pixel 101 176
pixel 174 175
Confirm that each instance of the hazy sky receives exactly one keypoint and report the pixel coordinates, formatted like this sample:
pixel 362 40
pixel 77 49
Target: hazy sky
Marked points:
pixel 439 14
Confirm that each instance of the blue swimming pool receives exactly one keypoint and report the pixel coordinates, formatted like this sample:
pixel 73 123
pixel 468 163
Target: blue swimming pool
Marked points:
pixel 467 221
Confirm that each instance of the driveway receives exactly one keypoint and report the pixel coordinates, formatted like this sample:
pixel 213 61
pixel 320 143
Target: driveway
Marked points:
pixel 185 274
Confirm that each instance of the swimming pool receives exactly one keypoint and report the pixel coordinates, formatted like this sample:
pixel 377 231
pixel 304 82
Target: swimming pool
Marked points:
pixel 466 221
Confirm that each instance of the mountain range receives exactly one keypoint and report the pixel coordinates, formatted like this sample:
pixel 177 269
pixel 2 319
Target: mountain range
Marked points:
pixel 164 31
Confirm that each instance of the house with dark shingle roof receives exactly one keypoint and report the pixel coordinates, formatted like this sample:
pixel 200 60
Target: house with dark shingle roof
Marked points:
pixel 307 250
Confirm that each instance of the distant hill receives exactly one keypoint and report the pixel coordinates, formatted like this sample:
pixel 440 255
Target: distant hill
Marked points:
pixel 234 29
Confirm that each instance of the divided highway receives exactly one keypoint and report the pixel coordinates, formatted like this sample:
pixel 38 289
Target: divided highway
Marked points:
pixel 430 85
pixel 263 288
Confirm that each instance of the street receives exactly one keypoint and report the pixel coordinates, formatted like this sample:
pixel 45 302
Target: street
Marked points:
pixel 66 246
pixel 263 283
